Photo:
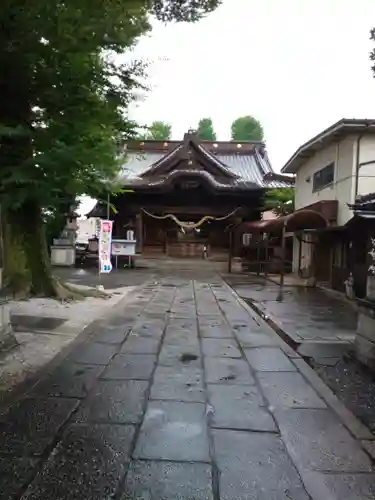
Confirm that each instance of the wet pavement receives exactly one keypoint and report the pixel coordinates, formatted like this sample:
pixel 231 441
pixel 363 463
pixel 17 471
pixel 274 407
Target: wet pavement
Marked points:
pixel 182 395
pixel 116 279
pixel 306 314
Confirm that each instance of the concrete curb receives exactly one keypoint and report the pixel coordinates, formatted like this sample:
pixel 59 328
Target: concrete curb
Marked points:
pixel 9 398
pixel 360 432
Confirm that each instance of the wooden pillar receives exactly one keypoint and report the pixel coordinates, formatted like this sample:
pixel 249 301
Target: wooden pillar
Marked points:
pixel 282 270
pixel 230 250
pixel 266 257
pixel 139 232
pixel 331 259
pixel 299 253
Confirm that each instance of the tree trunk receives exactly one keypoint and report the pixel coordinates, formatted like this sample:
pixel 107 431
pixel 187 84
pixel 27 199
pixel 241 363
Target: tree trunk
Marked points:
pixel 27 266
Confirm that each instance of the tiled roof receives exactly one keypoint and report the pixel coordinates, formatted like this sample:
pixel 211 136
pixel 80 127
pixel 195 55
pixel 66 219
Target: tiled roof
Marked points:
pixel 363 203
pixel 249 168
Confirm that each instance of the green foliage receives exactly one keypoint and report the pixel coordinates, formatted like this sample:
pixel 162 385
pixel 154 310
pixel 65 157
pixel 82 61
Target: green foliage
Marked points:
pixel 246 128
pixel 61 122
pixel 280 201
pixel 183 10
pixel 205 130
pixel 157 131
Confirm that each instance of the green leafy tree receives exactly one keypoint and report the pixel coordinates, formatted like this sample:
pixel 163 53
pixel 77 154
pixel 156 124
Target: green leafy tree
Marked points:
pixel 280 201
pixel 62 112
pixel 205 130
pixel 157 131
pixel 246 128
pixel 183 10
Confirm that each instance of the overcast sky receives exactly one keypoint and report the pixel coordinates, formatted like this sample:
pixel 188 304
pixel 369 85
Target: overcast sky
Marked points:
pixel 296 65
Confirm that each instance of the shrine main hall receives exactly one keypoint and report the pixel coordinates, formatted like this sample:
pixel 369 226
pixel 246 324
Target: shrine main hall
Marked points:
pixel 182 198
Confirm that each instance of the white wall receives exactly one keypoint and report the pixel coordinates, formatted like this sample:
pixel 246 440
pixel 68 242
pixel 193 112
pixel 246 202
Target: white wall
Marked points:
pixel 342 189
pixel 366 177
pixel 86 229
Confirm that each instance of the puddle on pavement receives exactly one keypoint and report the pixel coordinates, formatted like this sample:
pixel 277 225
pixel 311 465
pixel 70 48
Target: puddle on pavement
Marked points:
pixel 186 357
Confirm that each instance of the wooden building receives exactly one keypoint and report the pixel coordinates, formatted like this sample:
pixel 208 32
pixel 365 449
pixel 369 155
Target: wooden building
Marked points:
pixel 182 197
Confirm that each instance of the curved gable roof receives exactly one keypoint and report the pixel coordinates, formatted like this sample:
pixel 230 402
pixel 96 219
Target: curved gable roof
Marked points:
pixel 244 165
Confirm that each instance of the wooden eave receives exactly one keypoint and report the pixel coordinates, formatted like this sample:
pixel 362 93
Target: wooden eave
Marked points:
pixel 296 221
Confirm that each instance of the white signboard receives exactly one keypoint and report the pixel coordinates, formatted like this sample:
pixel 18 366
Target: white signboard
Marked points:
pixel 105 240
pixel 123 247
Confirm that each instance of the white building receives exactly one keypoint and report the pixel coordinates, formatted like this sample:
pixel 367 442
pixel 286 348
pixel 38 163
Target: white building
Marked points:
pixel 332 169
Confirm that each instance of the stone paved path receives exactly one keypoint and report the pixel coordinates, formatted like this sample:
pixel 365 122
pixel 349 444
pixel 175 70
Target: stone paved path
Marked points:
pixel 308 315
pixel 182 396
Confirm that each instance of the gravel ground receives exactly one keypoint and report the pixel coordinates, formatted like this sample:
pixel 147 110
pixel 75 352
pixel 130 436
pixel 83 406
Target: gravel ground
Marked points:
pixel 353 384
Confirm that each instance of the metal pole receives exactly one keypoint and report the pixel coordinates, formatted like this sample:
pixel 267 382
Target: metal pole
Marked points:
pixel 283 246
pixel 108 207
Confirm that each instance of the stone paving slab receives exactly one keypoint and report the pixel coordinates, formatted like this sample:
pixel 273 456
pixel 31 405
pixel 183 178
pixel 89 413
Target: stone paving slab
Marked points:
pixel 289 389
pixel 111 334
pixel 168 481
pixel 183 383
pixel 269 359
pixel 93 353
pixel 255 466
pixel 342 486
pixel 182 337
pixel 71 380
pixel 88 463
pixel 174 431
pixel 106 402
pixel 140 345
pixel 221 348
pixel 317 440
pixel 239 407
pixel 154 407
pixel 14 474
pixel 249 340
pixel 175 354
pixel 227 370
pixel 30 426
pixel 214 327
pixel 130 366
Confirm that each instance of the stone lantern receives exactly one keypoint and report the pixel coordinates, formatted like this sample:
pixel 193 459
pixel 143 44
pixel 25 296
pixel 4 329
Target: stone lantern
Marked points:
pixel 63 252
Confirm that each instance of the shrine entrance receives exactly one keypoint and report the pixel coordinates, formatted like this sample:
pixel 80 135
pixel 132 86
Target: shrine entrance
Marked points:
pixel 186 236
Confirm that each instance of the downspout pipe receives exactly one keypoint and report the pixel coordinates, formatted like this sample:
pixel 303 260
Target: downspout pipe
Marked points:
pixel 357 163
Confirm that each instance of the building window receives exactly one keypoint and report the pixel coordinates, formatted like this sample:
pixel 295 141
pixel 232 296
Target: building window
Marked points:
pixel 323 177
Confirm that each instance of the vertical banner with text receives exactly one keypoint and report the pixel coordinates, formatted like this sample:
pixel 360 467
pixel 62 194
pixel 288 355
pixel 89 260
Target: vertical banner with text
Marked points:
pixel 105 243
